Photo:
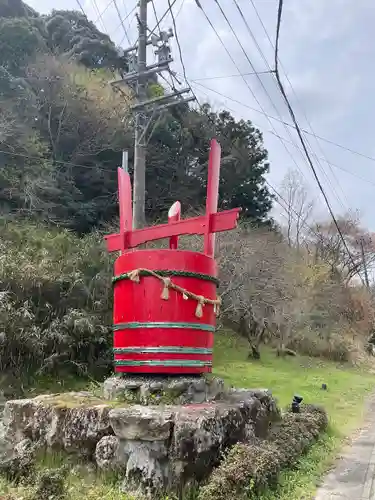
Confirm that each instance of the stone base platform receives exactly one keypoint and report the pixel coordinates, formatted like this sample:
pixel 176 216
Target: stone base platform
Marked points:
pixel 163 389
pixel 156 448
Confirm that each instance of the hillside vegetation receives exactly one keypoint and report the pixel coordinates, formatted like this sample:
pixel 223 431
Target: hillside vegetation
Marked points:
pixel 63 128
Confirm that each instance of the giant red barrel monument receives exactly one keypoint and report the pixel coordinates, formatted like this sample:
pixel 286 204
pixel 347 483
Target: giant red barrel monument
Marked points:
pixel 165 300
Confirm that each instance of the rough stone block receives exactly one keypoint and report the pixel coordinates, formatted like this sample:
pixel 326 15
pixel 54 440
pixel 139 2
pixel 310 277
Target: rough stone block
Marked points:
pixel 73 422
pixel 160 447
pixel 163 390
pixel 145 423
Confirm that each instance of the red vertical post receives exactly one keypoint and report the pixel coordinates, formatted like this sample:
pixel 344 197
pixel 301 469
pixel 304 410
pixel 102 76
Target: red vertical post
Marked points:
pixel 212 195
pixel 125 204
pixel 174 215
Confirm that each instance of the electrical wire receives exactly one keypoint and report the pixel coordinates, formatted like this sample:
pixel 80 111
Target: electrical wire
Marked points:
pixel 290 83
pixel 279 197
pixel 180 9
pixel 177 41
pixel 335 165
pixel 261 82
pixel 37 158
pixel 252 73
pixel 292 211
pixel 104 11
pixel 290 125
pixel 100 15
pixel 291 112
pixel 368 181
pixel 244 79
pixel 152 32
pixel 122 21
pixel 156 17
pixel 80 6
pixel 196 83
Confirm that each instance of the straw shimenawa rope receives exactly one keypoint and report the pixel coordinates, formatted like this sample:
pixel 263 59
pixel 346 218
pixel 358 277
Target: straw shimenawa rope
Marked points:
pixel 186 294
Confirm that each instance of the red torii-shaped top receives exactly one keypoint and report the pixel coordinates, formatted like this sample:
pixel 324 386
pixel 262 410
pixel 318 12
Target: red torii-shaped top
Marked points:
pixel 209 224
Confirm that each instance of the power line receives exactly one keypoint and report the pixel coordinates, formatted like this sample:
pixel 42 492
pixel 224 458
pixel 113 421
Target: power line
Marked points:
pixel 353 151
pixel 244 79
pixel 162 17
pixel 291 86
pixel 291 112
pixel 121 21
pixel 80 6
pixel 180 9
pixel 279 196
pixel 38 158
pixel 332 164
pixel 219 77
pixel 335 165
pixel 259 79
pixel 156 16
pixel 261 82
pixel 289 209
pixel 177 41
pixel 104 11
pixel 100 15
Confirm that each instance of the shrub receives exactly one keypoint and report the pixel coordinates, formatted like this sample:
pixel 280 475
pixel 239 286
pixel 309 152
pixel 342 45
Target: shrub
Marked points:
pixel 56 301
pixel 248 469
pixel 51 485
pixel 18 468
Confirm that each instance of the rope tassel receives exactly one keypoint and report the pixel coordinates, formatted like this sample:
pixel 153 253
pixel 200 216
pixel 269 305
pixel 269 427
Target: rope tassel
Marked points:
pixel 199 309
pixel 165 292
pixel 217 307
pixel 134 276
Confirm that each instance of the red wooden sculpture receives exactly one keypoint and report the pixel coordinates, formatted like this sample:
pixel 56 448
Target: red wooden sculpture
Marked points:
pixel 165 301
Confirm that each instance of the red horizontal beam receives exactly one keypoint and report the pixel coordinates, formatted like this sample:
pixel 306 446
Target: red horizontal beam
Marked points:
pixel 222 221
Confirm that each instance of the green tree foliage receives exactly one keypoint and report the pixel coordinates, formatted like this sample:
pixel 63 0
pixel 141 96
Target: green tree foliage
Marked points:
pixel 15 8
pixel 63 128
pixel 178 164
pixel 70 32
pixel 20 39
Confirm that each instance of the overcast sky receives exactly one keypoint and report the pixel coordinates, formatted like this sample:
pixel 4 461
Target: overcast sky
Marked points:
pixel 326 49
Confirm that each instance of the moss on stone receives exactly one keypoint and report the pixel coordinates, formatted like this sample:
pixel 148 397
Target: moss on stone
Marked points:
pixel 71 400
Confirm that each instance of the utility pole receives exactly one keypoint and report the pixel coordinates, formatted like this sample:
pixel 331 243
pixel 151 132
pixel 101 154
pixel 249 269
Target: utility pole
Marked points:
pixel 140 146
pixel 146 109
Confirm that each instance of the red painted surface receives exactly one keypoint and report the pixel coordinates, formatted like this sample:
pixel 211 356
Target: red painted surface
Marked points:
pixel 125 205
pixel 222 221
pixel 212 195
pixel 141 302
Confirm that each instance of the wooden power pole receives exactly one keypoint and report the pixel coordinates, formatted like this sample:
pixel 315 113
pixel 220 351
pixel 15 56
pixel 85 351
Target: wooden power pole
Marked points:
pixel 147 109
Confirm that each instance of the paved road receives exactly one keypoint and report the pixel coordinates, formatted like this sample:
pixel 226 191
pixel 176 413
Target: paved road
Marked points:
pixel 353 476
